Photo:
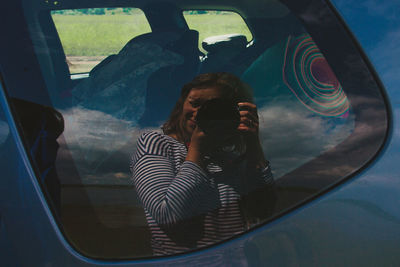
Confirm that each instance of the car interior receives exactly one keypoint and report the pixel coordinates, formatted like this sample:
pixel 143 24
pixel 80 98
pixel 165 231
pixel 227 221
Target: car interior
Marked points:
pixel 172 49
pixel 92 119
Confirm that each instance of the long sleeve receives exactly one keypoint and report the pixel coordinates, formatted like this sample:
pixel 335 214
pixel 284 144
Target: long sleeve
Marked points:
pixel 169 192
pixel 256 179
pixel 259 199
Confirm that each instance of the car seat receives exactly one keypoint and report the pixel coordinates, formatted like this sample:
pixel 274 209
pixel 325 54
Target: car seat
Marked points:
pixel 165 84
pixel 119 85
pixel 222 51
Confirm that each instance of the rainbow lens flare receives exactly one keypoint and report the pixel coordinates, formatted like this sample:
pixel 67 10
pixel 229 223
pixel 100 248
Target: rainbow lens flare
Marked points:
pixel 307 74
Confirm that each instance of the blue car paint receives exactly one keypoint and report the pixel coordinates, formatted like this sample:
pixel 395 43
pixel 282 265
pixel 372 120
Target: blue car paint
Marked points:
pixel 355 224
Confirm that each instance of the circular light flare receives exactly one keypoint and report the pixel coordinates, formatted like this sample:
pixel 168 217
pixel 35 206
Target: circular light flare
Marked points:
pixel 309 76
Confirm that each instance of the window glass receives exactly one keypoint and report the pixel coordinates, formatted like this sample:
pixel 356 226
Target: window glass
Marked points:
pixel 321 117
pixel 306 111
pixel 216 23
pixel 89 35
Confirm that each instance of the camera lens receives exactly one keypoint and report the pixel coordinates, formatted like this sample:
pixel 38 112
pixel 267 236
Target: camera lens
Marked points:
pixel 218 116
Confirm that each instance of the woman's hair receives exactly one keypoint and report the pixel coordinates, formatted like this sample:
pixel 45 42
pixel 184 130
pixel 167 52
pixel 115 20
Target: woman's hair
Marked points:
pixel 230 87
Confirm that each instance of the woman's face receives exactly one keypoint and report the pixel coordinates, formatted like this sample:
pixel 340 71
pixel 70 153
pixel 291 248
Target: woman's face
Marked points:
pixel 193 101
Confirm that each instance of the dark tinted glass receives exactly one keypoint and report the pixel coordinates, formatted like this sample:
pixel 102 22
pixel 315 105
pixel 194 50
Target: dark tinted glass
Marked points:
pixel 322 113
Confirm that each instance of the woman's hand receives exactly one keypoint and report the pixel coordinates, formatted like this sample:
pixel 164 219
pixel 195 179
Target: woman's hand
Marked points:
pixel 248 118
pixel 200 144
pixel 249 125
pixel 198 138
pixel 196 146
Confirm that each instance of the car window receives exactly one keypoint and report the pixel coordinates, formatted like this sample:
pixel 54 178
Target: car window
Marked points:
pixel 90 35
pixel 213 24
pixel 321 118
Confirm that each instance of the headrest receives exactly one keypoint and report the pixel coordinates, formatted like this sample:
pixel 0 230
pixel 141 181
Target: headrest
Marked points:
pixel 159 38
pixel 186 44
pixel 180 42
pixel 220 42
pixel 167 39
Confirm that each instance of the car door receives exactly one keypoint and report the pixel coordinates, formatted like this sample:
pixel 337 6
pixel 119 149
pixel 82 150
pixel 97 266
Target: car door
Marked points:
pixel 325 119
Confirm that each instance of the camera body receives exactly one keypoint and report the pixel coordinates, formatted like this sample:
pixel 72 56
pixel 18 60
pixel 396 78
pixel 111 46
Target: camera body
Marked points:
pixel 219 118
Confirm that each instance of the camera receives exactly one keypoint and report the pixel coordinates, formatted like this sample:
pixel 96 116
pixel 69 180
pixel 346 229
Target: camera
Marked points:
pixel 218 117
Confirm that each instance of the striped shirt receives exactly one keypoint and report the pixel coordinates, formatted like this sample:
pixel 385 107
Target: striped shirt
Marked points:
pixel 187 207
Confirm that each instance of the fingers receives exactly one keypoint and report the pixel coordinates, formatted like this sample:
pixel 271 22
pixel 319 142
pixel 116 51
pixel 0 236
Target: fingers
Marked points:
pixel 198 133
pixel 248 126
pixel 248 117
pixel 247 105
pixel 248 110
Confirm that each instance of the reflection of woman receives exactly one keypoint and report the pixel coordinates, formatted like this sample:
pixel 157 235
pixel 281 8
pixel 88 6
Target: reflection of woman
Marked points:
pixel 189 200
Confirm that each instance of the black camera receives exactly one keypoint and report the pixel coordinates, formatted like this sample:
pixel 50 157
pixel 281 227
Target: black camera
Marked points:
pixel 219 117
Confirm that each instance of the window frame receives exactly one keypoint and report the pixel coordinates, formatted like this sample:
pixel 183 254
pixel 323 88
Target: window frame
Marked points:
pixel 82 75
pixel 223 10
pixel 371 158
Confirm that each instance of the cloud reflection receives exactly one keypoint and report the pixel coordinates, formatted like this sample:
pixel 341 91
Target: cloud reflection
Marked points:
pixel 385 55
pixel 292 136
pixel 99 144
pixel 388 9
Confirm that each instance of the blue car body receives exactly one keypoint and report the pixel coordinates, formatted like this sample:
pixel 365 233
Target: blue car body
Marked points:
pixel 354 223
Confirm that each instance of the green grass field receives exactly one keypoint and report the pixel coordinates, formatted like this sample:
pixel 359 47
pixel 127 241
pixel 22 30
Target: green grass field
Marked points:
pixel 87 39
pixel 97 35
pixel 101 35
